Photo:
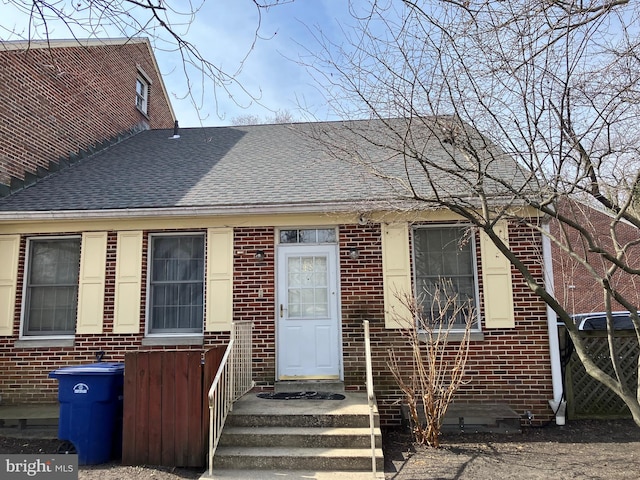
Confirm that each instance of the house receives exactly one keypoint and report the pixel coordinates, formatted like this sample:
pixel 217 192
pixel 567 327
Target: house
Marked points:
pixel 581 294
pixel 161 241
pixel 575 286
pixel 61 100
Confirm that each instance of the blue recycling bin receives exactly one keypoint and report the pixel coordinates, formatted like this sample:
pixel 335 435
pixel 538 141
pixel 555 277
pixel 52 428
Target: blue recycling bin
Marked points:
pixel 90 399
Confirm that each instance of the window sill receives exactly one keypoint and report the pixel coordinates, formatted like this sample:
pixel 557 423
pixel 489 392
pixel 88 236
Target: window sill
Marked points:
pixel 146 115
pixel 457 336
pixel 176 340
pixel 44 342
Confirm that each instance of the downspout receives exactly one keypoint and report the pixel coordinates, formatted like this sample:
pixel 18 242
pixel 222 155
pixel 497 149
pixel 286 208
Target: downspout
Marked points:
pixel 557 403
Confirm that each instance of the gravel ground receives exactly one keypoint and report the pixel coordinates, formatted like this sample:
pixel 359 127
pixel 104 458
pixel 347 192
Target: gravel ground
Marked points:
pixel 579 450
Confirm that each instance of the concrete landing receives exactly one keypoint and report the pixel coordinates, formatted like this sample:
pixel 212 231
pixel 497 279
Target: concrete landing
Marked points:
pixel 475 417
pixel 29 420
pixel 30 411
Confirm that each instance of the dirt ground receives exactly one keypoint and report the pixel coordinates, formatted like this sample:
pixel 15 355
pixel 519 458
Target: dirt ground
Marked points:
pixel 579 450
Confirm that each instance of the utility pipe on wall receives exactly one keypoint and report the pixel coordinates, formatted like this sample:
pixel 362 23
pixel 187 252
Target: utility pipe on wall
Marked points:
pixel 557 403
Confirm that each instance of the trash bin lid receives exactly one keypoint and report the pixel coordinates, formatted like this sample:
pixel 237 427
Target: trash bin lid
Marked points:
pixel 100 368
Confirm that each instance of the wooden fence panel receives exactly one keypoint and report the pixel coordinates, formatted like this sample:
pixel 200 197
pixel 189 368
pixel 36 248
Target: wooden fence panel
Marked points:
pixel 156 379
pixel 141 409
pixel 168 394
pixel 588 398
pixel 163 409
pixel 196 425
pixel 181 426
pixel 129 413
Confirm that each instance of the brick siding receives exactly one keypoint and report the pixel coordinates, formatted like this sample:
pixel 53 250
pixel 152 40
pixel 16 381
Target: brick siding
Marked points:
pixel 24 370
pixel 56 101
pixel 576 288
pixel 250 303
pixel 509 366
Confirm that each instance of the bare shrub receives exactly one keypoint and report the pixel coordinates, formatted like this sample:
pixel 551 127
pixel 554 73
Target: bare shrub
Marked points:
pixel 437 367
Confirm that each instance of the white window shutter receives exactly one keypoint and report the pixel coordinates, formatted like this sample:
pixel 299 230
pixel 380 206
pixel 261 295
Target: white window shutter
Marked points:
pixel 396 270
pixel 93 257
pixel 497 284
pixel 128 282
pixel 9 251
pixel 219 279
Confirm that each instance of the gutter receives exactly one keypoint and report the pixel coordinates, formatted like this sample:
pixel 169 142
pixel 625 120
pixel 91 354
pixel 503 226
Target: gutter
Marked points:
pixel 225 210
pixel 557 403
pixel 360 206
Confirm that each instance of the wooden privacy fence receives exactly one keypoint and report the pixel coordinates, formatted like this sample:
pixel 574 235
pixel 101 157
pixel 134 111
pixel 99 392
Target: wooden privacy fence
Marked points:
pixel 586 397
pixel 165 407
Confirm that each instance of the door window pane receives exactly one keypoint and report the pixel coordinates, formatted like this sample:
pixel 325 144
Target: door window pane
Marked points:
pixel 308 235
pixel 308 287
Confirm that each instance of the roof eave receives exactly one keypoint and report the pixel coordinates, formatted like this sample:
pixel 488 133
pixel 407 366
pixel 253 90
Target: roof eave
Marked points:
pixel 188 211
pixel 33 44
pixel 353 206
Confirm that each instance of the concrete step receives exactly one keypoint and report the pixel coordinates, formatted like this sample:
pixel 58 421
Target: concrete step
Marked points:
pixel 299 437
pixel 290 475
pixel 287 458
pixel 302 420
pixel 309 386
pixel 273 436
pixel 352 412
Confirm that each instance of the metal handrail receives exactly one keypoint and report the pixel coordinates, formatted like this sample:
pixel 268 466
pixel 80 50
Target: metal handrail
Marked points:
pixel 233 379
pixel 370 395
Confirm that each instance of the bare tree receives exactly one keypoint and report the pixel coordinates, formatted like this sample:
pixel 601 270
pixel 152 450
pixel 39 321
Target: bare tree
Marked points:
pixel 165 22
pixel 554 89
pixel 280 116
pixel 437 367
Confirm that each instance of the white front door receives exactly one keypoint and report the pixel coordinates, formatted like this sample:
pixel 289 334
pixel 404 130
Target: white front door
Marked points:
pixel 308 323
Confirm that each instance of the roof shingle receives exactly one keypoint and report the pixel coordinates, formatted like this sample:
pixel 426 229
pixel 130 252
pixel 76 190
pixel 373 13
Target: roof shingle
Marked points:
pixel 224 167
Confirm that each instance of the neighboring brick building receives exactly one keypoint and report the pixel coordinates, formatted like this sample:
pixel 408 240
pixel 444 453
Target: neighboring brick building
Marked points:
pixel 575 286
pixel 61 100
pixel 254 223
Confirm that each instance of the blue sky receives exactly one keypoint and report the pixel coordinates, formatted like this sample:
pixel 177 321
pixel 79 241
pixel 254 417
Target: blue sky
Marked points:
pixel 223 30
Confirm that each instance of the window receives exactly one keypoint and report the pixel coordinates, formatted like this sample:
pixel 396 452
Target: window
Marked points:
pixel 176 284
pixel 142 94
pixel 308 235
pixel 444 259
pixel 308 286
pixel 51 286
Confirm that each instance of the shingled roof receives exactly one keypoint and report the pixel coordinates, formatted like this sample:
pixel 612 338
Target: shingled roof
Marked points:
pixel 243 168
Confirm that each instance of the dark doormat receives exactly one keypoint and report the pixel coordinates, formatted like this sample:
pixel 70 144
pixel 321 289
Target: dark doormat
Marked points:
pixel 301 396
